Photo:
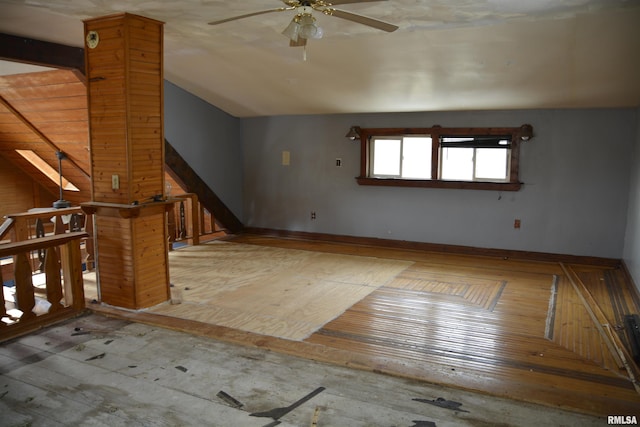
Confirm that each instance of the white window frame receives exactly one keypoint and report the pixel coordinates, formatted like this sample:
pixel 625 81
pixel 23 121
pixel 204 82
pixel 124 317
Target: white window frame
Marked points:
pixel 401 159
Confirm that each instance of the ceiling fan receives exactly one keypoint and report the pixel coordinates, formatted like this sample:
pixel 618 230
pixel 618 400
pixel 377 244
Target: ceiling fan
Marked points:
pixel 303 25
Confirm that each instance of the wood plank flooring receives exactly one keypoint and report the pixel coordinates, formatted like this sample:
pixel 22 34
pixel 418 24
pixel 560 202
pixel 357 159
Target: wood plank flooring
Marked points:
pixel 96 371
pixel 509 328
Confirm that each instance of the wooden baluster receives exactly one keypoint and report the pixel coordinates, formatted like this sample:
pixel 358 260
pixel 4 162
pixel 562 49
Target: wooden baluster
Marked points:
pixel 75 223
pixel 171 224
pixel 195 220
pixel 182 226
pixel 203 224
pixel 58 227
pixel 25 298
pixel 70 259
pixel 89 244
pixel 54 284
pixel 40 233
pixel 3 309
pixel 19 233
pixel 72 271
pixel 66 268
pixel 20 230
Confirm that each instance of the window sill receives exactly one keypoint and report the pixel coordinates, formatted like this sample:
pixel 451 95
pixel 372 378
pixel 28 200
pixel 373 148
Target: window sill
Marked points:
pixel 427 183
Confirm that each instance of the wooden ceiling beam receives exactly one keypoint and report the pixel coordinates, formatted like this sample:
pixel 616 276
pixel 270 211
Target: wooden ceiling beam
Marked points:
pixel 37 52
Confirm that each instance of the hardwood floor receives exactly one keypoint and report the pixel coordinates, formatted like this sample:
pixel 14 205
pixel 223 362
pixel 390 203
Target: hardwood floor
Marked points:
pixel 540 332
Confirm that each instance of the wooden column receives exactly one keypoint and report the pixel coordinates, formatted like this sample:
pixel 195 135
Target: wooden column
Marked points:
pixel 125 98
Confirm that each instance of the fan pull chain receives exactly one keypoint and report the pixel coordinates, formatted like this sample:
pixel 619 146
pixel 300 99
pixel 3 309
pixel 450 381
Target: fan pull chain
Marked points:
pixel 304 52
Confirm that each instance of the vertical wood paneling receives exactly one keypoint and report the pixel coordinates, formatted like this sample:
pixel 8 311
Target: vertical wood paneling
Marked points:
pixel 115 252
pixel 151 259
pixel 107 104
pixel 19 192
pixel 125 108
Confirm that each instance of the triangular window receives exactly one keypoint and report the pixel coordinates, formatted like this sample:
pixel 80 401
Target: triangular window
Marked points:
pixel 47 170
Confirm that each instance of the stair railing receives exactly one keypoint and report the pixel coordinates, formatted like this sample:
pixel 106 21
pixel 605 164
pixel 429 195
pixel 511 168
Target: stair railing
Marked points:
pixel 42 253
pixel 27 307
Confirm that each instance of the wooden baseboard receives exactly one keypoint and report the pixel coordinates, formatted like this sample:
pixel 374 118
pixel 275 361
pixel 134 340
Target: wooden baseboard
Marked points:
pixel 436 247
pixel 631 282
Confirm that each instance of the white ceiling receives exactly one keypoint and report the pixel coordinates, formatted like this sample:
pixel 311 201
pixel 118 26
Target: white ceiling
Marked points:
pixel 446 55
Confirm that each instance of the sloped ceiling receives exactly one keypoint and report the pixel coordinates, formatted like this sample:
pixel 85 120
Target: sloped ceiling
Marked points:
pixel 446 55
pixel 45 112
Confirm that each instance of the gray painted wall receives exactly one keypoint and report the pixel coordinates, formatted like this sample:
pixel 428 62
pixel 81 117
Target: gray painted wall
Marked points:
pixel 632 238
pixel 580 195
pixel 209 140
pixel 577 174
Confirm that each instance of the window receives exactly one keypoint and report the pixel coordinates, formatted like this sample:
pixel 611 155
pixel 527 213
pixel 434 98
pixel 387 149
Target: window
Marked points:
pixel 47 170
pixel 407 157
pixel 477 158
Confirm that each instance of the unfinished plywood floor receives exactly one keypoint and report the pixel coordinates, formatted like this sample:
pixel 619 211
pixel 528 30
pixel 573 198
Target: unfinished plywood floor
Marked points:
pixel 280 292
pixel 509 328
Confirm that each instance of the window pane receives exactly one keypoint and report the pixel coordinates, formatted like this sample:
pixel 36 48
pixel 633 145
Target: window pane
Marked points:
pixel 457 164
pixel 386 157
pixel 416 157
pixel 491 163
pixel 47 170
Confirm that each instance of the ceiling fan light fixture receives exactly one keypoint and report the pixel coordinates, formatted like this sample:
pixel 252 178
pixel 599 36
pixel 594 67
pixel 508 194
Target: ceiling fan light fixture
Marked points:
pixel 293 30
pixel 319 32
pixel 308 27
pixel 303 25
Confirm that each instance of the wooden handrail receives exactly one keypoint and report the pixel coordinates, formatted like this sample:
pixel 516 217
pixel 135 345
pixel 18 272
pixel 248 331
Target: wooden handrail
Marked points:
pixel 124 211
pixel 23 226
pixel 9 249
pixel 43 214
pixel 64 291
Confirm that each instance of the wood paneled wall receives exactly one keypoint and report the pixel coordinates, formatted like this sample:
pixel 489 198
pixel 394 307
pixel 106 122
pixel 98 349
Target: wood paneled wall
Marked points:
pixel 46 112
pixel 19 192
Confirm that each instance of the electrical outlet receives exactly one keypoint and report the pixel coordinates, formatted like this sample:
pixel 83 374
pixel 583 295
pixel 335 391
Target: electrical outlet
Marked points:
pixel 516 223
pixel 313 215
pixel 338 162
pixel 115 182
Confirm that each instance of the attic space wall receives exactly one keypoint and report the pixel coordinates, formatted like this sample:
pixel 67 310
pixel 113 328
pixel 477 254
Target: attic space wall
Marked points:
pixel 576 173
pixel 209 140
pixel 20 192
pixel 632 238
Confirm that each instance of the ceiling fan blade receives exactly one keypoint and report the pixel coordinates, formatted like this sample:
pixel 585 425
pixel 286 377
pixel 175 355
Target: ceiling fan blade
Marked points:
pixel 280 9
pixel 380 25
pixel 338 2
